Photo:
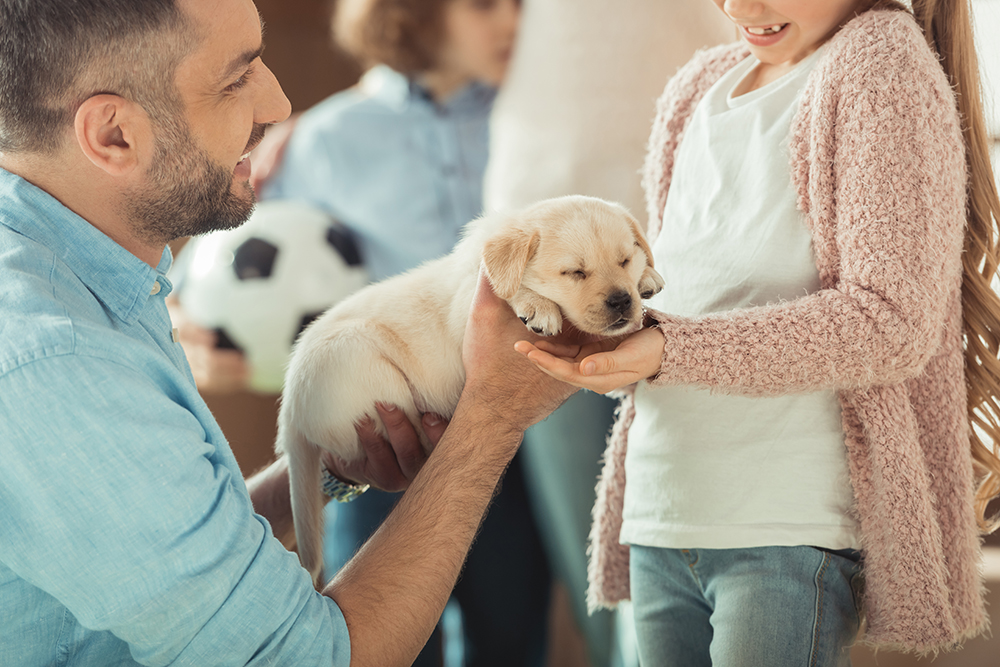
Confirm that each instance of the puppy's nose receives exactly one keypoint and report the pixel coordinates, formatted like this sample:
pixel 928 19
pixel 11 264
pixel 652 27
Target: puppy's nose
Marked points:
pixel 618 302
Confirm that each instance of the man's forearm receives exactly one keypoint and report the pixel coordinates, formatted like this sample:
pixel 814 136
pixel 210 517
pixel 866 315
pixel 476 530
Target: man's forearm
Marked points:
pixel 394 590
pixel 271 499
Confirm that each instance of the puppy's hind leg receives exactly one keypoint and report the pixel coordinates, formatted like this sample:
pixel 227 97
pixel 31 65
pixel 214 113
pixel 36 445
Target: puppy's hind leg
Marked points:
pixel 307 501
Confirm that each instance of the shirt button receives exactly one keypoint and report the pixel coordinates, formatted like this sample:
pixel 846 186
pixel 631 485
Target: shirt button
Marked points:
pixel 156 288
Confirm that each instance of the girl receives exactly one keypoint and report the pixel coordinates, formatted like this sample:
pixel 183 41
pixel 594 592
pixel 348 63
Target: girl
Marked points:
pixel 822 208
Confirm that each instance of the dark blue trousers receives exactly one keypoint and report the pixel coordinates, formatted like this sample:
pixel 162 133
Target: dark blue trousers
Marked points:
pixel 503 591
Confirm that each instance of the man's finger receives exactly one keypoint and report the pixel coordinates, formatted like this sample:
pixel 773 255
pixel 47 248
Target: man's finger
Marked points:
pixel 434 426
pixel 405 442
pixel 381 466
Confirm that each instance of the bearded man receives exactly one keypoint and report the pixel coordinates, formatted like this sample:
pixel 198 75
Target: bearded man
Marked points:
pixel 129 535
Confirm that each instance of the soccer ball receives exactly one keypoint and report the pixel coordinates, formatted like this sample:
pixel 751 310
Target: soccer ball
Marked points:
pixel 260 285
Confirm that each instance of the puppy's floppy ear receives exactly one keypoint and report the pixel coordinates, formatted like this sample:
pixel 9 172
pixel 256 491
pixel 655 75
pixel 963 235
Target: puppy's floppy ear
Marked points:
pixel 505 256
pixel 640 240
pixel 651 282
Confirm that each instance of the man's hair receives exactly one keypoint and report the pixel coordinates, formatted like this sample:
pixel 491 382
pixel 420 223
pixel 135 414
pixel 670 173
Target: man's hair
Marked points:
pixel 54 54
pixel 406 35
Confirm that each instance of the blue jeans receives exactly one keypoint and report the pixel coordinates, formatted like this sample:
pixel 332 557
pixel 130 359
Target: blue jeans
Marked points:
pixel 758 607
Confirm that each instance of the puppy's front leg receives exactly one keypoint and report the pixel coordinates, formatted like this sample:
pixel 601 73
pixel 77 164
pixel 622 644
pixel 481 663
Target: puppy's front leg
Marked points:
pixel 539 314
pixel 650 284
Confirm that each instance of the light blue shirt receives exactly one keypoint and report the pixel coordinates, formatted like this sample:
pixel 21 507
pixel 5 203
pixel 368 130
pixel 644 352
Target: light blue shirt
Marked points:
pixel 126 531
pixel 402 172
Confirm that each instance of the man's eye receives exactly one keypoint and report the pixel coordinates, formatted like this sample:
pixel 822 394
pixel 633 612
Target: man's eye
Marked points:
pixel 240 82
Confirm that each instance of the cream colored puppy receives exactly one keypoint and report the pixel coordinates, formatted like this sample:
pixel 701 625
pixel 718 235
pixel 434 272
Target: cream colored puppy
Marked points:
pixel 399 341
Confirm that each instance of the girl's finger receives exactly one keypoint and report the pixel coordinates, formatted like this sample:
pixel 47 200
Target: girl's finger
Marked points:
pixel 561 369
pixel 558 349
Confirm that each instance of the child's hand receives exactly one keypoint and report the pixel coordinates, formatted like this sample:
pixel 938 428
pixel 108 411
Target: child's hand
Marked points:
pixel 602 366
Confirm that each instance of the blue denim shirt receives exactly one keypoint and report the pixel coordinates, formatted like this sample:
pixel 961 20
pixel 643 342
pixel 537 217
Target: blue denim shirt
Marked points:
pixel 402 172
pixel 126 531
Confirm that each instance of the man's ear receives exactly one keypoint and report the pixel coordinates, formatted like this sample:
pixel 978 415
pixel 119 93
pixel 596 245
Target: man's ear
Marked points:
pixel 112 131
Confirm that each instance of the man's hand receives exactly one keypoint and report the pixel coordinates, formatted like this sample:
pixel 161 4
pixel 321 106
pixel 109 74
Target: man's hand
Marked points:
pixel 602 366
pixel 388 465
pixel 497 378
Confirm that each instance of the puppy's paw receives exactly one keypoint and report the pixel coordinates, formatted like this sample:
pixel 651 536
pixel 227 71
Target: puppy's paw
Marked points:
pixel 538 313
pixel 650 283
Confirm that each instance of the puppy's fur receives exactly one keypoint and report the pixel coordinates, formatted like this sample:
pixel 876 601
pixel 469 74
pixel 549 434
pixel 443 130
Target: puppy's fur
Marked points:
pixel 400 341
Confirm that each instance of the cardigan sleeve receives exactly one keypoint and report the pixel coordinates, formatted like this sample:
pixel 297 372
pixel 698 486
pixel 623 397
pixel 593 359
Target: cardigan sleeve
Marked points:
pixel 878 162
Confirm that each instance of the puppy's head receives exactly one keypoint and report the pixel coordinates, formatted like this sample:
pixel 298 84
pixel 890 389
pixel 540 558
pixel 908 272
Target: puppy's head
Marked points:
pixel 586 255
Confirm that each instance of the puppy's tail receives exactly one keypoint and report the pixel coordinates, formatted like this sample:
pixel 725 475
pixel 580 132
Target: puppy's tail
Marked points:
pixel 307 500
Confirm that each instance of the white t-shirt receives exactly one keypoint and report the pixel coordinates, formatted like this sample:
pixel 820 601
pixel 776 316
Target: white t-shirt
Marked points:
pixel 709 470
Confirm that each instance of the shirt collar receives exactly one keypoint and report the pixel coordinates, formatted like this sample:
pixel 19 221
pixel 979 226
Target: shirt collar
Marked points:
pixel 121 281
pixel 388 85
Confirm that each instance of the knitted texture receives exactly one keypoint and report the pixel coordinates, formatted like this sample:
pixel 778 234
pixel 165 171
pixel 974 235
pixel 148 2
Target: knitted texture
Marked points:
pixel 877 162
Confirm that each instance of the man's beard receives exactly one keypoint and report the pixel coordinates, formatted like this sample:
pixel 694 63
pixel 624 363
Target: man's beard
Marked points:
pixel 186 193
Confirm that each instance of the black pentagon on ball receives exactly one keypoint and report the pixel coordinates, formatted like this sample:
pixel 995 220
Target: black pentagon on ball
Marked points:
pixel 224 341
pixel 344 244
pixel 254 258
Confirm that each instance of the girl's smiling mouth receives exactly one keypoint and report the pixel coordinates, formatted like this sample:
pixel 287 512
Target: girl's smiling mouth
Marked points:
pixel 763 35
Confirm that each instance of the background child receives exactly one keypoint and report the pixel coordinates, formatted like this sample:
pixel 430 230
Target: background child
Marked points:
pixel 826 335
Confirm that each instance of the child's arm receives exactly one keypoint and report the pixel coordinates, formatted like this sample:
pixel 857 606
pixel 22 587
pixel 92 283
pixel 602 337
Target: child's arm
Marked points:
pixel 887 195
pixel 879 165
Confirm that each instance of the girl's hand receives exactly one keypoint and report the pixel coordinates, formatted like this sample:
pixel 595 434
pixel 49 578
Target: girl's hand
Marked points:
pixel 602 366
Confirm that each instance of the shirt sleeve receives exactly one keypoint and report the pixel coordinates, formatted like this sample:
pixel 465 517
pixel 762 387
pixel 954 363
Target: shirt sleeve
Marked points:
pixel 116 504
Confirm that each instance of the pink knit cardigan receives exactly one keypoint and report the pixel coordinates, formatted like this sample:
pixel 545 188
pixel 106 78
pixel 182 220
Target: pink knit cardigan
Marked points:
pixel 877 161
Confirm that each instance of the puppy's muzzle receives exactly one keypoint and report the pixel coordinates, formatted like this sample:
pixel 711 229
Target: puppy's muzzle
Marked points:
pixel 619 303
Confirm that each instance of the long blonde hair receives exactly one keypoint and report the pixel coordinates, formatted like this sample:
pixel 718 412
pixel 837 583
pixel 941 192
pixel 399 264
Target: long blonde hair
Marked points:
pixel 947 26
